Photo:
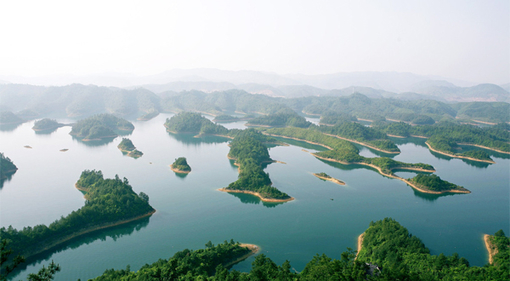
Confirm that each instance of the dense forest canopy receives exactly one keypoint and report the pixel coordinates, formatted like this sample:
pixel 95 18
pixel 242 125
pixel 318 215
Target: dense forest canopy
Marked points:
pixel 109 201
pixel 190 122
pixel 7 167
pixel 434 182
pixel 389 252
pixel 181 164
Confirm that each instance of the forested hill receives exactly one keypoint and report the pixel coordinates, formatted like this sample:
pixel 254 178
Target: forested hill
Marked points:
pixel 109 202
pixel 101 126
pixel 389 252
pixel 84 100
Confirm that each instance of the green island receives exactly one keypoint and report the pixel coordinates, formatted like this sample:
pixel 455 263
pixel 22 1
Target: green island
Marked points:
pixel 327 177
pixel 191 122
pixel 250 153
pixel 7 167
pixel 446 138
pixel 387 251
pixel 127 147
pixel 46 124
pixel 100 126
pixel 180 165
pixel 346 153
pixel 434 183
pixel 109 202
pixel 148 116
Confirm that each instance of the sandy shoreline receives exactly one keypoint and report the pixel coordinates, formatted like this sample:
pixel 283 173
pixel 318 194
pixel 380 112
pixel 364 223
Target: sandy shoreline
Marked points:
pixel 459 156
pixel 257 194
pixel 178 171
pixel 331 179
pixel 397 177
pixel 364 144
pixel 292 138
pixel 490 247
pixel 360 243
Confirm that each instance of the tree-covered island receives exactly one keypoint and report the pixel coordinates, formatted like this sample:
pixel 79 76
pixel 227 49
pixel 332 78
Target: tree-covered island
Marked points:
pixel 181 166
pixel 327 177
pixel 101 126
pixel 109 202
pixel 250 153
pixel 346 153
pixel 446 138
pixel 7 167
pixel 127 147
pixel 46 124
pixel 191 122
pixel 434 184
pixel 387 252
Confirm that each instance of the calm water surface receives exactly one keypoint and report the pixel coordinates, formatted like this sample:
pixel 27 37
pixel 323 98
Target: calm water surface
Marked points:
pixel 324 218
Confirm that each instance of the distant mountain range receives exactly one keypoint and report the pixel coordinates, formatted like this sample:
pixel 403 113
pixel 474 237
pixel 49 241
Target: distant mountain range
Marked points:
pixel 398 85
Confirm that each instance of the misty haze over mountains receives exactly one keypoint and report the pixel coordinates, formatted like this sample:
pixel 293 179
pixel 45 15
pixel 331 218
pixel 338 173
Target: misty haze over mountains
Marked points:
pixel 372 84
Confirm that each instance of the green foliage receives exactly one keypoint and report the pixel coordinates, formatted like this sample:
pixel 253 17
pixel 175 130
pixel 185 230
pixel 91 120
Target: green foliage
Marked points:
pixel 226 118
pixel 46 124
pixel 334 118
pixel 181 164
pixel 250 153
pixel 126 145
pixel 190 122
pixel 358 132
pixel 449 145
pixel 7 167
pixel 501 260
pixel 423 120
pixel 393 128
pixel 108 201
pixel 45 273
pixel 285 117
pixel 100 126
pixel 434 182
pixel 322 174
pixel 185 265
pixel 483 111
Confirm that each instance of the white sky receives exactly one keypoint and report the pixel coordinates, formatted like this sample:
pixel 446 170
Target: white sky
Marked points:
pixel 462 39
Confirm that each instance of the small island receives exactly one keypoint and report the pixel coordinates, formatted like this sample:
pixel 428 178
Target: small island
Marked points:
pixel 181 166
pixel 127 147
pixel 101 126
pixel 191 122
pixel 431 183
pixel 326 177
pixel 46 125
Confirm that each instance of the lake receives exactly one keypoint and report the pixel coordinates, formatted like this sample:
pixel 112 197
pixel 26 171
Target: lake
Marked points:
pixel 324 217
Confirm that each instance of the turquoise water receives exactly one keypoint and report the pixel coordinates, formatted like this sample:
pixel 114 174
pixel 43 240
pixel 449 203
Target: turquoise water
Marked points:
pixel 324 218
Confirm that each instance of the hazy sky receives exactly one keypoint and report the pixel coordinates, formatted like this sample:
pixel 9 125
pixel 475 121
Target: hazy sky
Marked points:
pixel 463 39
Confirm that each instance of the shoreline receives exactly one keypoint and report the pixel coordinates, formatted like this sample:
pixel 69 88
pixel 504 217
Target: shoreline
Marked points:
pixel 459 156
pixel 484 147
pixel 254 249
pixel 331 179
pixel 364 144
pixel 86 231
pixel 178 171
pixel 264 199
pixel 489 247
pixel 397 177
pixel 293 138
pixel 360 243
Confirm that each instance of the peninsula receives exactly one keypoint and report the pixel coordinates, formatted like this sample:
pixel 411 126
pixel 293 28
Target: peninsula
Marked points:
pixel 7 167
pixel 110 202
pixel 327 177
pixel 498 248
pixel 181 166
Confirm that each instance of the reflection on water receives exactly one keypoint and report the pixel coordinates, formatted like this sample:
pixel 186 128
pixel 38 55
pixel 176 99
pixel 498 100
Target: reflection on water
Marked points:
pixel 93 143
pixel 181 175
pixel 431 197
pixel 189 139
pixel 477 164
pixel 414 140
pixel 46 132
pixel 115 233
pixel 252 199
pixel 6 179
pixel 9 127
